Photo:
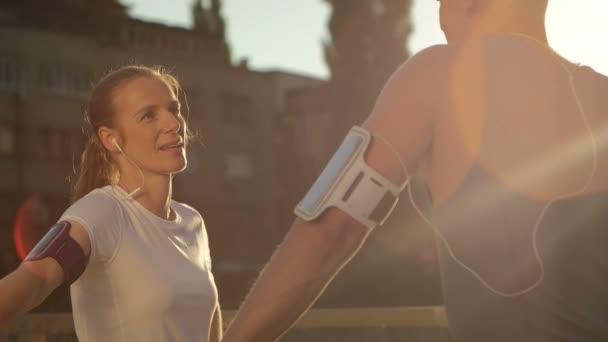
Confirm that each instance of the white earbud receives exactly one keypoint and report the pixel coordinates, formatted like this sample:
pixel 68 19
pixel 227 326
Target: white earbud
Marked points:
pixel 113 141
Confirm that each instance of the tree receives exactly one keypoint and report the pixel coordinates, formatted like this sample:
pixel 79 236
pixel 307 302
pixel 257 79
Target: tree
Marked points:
pixel 368 42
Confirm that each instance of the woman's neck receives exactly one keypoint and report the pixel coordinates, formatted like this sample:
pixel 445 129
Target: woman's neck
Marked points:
pixel 155 195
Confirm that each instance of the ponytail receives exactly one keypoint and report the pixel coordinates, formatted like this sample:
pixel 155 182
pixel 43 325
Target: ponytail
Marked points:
pixel 96 169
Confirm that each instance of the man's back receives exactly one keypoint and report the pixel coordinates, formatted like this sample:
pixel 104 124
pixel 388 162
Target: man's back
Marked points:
pixel 510 138
pixel 507 105
pixel 498 132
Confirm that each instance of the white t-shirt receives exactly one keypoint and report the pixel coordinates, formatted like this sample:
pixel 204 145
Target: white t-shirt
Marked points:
pixel 148 279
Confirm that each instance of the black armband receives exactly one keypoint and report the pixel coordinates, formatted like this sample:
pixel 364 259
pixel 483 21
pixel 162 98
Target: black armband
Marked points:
pixel 59 245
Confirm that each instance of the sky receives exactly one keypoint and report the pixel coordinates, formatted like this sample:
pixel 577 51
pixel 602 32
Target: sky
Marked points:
pixel 287 35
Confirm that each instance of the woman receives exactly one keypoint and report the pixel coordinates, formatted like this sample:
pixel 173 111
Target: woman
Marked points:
pixel 139 261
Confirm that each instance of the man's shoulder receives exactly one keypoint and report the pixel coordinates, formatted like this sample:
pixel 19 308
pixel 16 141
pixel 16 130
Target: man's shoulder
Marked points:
pixel 435 53
pixel 428 66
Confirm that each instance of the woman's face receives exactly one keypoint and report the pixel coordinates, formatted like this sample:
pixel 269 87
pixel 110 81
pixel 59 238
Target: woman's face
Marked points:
pixel 150 127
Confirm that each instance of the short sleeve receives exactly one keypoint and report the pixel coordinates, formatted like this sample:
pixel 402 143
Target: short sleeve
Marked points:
pixel 101 216
pixel 204 244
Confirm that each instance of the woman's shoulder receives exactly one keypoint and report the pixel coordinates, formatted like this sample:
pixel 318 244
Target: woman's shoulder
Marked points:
pixel 104 193
pixel 101 215
pixel 187 212
pixel 184 206
pixel 102 201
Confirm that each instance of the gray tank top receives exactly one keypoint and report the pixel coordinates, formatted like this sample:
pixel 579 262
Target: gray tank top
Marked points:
pixel 489 227
pixel 495 239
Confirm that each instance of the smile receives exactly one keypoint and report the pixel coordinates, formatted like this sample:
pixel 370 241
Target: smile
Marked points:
pixel 169 147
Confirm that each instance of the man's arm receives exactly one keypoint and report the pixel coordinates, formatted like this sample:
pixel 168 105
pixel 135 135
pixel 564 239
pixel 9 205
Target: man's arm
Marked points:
pixel 309 257
pixel 313 252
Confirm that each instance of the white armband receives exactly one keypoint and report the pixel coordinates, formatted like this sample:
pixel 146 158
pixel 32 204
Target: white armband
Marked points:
pixel 348 183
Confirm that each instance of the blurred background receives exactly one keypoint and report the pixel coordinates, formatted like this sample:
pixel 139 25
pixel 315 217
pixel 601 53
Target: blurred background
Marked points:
pixel 272 87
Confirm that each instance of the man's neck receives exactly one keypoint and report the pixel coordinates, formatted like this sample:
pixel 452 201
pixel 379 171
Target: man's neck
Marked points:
pixel 534 29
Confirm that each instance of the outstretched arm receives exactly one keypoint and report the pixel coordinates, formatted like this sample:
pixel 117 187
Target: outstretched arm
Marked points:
pixel 27 287
pixel 309 257
pixel 30 284
pixel 313 252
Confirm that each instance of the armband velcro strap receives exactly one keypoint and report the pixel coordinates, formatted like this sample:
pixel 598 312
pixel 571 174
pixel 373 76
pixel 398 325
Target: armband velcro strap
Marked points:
pixel 59 245
pixel 384 208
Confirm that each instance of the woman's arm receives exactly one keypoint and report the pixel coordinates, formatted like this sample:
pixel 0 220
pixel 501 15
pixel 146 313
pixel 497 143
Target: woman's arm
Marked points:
pixel 27 287
pixel 30 284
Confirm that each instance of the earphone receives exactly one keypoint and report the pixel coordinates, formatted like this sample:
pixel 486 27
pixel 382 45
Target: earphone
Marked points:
pixel 542 213
pixel 132 193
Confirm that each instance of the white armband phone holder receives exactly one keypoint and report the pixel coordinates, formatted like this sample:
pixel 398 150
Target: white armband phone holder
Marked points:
pixel 348 183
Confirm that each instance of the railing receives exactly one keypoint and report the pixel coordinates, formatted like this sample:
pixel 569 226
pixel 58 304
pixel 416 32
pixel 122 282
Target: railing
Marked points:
pixel 415 324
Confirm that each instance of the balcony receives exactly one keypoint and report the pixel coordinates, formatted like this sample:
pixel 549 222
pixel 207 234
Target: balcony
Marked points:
pixel 413 324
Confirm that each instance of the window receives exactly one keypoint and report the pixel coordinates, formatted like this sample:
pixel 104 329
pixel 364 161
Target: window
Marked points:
pixel 139 37
pixel 64 79
pixel 238 167
pixel 50 143
pixel 74 142
pixel 49 78
pixel 236 109
pixel 60 144
pixel 9 73
pixel 7 139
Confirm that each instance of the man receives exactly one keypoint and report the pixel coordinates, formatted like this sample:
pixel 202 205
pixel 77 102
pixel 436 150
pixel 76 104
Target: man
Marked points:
pixel 507 134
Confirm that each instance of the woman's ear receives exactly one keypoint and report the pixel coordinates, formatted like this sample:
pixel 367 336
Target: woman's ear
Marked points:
pixel 109 139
